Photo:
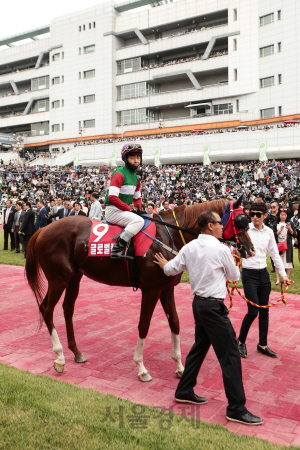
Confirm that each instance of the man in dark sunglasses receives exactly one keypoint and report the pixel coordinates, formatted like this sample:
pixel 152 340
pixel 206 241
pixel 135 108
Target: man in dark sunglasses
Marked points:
pixel 256 279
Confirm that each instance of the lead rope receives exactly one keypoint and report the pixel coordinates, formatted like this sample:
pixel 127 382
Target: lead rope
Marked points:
pixel 231 289
pixel 180 232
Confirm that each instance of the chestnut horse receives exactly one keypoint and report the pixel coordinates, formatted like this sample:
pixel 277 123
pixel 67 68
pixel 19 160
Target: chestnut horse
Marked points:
pixel 60 251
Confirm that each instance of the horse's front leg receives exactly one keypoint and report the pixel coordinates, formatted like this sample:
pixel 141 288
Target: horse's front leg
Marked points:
pixel 149 300
pixel 168 303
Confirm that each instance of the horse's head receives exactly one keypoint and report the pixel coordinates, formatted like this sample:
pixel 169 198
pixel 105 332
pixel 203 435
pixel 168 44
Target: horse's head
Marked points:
pixel 235 226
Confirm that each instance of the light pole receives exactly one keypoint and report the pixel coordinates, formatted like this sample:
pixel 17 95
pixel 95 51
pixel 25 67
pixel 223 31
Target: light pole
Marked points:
pixel 17 145
pixel 161 125
pixel 81 131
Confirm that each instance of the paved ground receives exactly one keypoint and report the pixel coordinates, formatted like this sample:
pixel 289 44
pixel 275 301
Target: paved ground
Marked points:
pixel 106 329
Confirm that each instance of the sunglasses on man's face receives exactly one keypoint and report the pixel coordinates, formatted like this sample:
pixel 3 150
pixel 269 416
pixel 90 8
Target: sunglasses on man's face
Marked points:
pixel 256 213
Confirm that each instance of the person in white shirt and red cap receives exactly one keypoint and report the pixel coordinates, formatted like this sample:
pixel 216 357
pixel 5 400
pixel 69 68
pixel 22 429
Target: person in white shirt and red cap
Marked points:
pixel 256 279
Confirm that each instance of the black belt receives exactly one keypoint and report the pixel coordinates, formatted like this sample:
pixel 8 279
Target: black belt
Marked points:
pixel 210 298
pixel 255 270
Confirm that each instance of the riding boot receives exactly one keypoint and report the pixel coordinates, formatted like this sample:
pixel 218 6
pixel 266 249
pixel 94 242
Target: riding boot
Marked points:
pixel 118 250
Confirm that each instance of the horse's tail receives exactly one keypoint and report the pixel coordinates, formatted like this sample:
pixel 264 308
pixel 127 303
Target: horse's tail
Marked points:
pixel 33 270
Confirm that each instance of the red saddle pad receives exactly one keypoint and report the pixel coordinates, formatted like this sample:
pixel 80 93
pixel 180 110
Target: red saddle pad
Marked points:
pixel 101 239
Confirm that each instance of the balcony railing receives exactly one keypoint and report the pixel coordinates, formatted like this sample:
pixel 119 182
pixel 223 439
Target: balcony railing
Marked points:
pixel 152 120
pixel 23 70
pixel 150 93
pixel 180 33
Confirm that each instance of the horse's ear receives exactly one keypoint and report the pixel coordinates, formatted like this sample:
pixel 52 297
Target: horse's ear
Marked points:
pixel 238 203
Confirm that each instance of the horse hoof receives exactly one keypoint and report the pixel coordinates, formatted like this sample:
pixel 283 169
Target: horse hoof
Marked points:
pixel 80 359
pixel 145 377
pixel 59 367
pixel 179 373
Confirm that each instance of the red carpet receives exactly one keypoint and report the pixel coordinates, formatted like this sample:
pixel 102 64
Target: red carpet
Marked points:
pixel 106 329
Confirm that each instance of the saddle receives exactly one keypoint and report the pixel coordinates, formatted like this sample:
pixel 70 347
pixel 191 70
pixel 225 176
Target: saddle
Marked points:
pixel 104 234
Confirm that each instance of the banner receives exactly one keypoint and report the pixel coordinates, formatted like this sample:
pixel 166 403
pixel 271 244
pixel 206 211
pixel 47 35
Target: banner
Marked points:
pixel 206 152
pixel 157 162
pixel 262 151
pixel 75 161
pixel 113 159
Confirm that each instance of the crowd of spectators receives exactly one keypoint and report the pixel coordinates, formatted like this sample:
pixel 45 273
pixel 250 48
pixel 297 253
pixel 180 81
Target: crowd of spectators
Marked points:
pixel 182 60
pixel 194 29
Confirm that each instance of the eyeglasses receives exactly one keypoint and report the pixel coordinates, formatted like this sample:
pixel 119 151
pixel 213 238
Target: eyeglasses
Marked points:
pixel 255 213
pixel 131 146
pixel 216 221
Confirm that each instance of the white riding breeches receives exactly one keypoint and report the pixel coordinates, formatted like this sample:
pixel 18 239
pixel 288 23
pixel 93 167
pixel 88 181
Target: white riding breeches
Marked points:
pixel 132 222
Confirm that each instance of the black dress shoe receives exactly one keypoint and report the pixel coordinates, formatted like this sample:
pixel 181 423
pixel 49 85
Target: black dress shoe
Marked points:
pixel 5 249
pixel 246 418
pixel 190 398
pixel 266 351
pixel 242 350
pixel 17 251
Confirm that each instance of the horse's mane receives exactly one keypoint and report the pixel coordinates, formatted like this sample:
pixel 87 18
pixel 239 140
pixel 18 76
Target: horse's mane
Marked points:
pixel 191 213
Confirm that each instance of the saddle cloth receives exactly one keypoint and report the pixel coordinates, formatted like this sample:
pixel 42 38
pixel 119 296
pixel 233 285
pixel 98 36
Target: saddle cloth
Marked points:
pixel 102 233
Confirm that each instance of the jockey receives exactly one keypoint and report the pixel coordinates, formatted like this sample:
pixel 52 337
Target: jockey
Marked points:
pixel 123 196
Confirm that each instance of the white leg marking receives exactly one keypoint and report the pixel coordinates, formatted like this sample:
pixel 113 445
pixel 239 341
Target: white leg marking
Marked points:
pixel 176 353
pixel 138 356
pixel 57 347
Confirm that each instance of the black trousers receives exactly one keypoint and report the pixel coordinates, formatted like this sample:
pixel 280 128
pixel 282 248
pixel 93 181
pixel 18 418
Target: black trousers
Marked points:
pixel 26 239
pixel 8 233
pixel 212 327
pixel 257 288
pixel 17 237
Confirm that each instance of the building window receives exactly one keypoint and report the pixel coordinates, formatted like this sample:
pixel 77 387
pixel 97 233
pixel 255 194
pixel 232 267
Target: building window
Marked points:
pixel 55 80
pixel 94 24
pixel 234 45
pixel 89 98
pixel 56 104
pixel 62 79
pixel 79 51
pixel 225 108
pixel 237 106
pixel 90 26
pixel 267 113
pixel 89 73
pixel 133 116
pixel 79 75
pixel 62 55
pixel 83 27
pixel 279 14
pixel 132 90
pixel 55 127
pixel 56 57
pixel 79 27
pixel 235 14
pixel 279 47
pixel 89 49
pixel 280 110
pixel 235 75
pixel 265 20
pixel 266 51
pixel 62 127
pixel 79 124
pixel 79 100
pixel 62 103
pixel 89 123
pixel 129 65
pixel 266 82
pixel 39 83
pixel 279 78
pixel 39 129
pixel 40 106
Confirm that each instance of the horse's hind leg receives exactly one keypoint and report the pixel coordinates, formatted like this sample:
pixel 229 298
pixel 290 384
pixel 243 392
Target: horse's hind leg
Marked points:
pixel 68 306
pixel 168 304
pixel 149 300
pixel 55 290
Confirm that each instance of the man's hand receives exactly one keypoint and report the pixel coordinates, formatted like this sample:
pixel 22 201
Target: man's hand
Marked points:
pixel 285 280
pixel 160 260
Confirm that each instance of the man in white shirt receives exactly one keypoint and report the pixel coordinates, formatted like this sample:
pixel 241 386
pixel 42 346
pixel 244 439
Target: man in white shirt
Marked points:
pixel 209 263
pixel 256 279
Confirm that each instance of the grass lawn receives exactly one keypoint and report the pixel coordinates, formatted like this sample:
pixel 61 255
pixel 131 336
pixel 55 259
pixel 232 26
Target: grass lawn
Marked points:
pixel 37 412
pixel 8 257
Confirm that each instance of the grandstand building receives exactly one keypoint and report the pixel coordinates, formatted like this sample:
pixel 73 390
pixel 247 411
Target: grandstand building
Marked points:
pixel 145 68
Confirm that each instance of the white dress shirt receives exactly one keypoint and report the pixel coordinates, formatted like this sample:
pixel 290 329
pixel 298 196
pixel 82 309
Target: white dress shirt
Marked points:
pixel 208 263
pixel 263 241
